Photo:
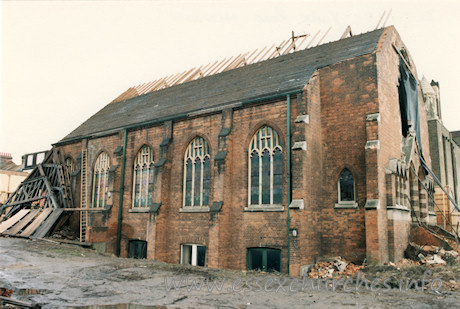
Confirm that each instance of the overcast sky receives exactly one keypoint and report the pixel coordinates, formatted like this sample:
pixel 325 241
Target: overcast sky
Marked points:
pixel 62 61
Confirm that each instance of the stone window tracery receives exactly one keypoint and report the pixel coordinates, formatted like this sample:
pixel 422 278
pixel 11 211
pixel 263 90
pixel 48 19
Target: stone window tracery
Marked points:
pixel 197 173
pixel 143 178
pixel 265 168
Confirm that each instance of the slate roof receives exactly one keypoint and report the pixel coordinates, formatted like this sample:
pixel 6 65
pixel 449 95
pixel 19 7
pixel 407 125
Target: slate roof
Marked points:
pixel 275 76
pixel 7 164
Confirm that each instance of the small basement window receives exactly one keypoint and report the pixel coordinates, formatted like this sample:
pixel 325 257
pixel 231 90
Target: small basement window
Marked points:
pixel 264 259
pixel 193 255
pixel 137 249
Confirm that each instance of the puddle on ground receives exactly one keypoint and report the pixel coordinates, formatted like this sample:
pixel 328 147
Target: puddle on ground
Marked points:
pixel 24 292
pixel 120 306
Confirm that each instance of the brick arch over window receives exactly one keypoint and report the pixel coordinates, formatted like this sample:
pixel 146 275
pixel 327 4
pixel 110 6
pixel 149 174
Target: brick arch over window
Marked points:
pixel 143 172
pixel 197 173
pixel 101 180
pixel 265 168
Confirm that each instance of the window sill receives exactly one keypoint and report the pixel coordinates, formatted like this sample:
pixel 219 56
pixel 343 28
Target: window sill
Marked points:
pixel 267 207
pixel 345 205
pixel 100 209
pixel 140 210
pixel 398 207
pixel 194 209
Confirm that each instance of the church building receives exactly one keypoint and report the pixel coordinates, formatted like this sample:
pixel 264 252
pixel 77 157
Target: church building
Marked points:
pixel 272 165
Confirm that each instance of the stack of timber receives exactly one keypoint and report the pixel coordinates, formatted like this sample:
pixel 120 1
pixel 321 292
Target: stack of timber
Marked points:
pixel 39 201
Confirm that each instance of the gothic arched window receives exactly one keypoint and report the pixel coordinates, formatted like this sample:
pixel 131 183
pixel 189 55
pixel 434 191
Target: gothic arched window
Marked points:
pixel 70 165
pixel 265 168
pixel 197 173
pixel 143 178
pixel 346 186
pixel 101 180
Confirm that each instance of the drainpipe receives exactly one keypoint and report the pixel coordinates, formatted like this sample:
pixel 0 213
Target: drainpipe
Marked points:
pixel 289 185
pixel 122 190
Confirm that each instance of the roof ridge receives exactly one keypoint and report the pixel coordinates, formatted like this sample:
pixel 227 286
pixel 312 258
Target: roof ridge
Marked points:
pixel 222 66
pixel 290 72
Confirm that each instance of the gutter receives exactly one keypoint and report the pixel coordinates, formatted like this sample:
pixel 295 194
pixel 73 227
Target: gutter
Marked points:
pixel 183 115
pixel 289 184
pixel 122 191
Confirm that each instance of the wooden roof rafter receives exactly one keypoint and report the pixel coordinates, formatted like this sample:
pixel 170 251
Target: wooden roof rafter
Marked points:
pixel 291 45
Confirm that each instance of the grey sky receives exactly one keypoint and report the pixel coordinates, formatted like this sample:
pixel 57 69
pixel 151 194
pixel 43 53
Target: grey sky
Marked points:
pixel 62 61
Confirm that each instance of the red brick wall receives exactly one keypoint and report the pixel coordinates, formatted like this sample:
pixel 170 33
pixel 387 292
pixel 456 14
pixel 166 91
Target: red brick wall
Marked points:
pixel 348 94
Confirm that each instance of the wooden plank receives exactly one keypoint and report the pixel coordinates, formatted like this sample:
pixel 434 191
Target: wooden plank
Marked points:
pixel 35 224
pixel 47 224
pixel 24 221
pixel 17 303
pixel 29 200
pixel 51 195
pixel 11 221
pixel 70 242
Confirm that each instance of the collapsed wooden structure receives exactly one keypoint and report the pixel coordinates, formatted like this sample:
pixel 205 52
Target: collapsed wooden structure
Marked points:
pixel 39 201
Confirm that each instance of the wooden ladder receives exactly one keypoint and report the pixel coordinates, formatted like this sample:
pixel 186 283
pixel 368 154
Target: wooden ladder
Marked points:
pixel 84 197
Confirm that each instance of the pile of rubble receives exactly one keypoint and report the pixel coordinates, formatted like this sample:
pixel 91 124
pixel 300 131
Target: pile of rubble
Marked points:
pixel 337 268
pixel 65 233
pixel 430 255
pixel 7 302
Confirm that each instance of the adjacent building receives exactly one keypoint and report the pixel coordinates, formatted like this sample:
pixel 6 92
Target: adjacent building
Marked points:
pixel 11 175
pixel 445 156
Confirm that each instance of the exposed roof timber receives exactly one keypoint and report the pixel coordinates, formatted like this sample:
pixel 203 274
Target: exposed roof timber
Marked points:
pixel 298 45
pixel 178 77
pixel 380 20
pixel 205 72
pixel 311 41
pixel 250 55
pixel 322 38
pixel 286 74
pixel 265 54
pixel 346 33
pixel 293 44
pixel 386 19
pixel 252 59
pixel 276 51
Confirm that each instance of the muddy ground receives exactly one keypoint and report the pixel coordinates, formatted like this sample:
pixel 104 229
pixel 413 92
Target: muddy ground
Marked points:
pixel 59 275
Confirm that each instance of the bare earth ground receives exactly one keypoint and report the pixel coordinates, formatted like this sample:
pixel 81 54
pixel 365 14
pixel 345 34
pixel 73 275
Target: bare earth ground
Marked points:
pixel 69 276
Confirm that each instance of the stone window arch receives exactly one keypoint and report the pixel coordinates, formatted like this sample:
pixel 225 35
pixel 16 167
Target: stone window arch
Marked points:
pixel 197 173
pixel 143 172
pixel 101 180
pixel 265 168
